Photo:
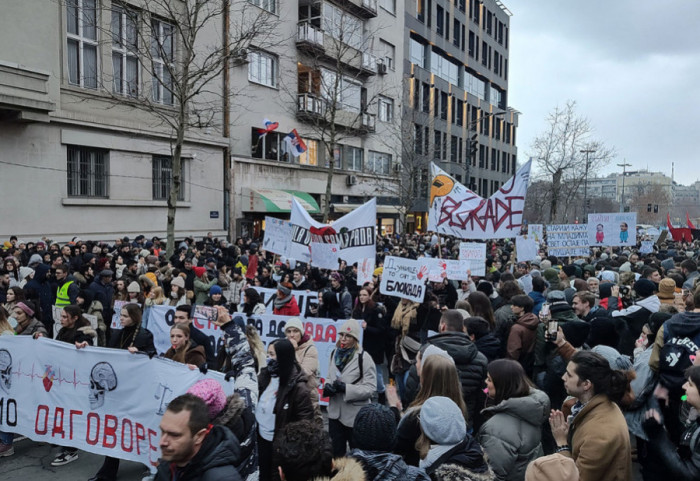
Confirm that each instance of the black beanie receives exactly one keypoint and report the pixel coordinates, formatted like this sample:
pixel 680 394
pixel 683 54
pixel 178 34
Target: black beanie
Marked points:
pixel 374 429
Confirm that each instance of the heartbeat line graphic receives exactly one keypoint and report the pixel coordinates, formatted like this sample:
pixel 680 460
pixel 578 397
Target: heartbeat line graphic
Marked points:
pixel 34 374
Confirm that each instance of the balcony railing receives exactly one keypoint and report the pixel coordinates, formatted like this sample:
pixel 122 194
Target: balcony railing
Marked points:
pixel 307 33
pixel 370 5
pixel 311 104
pixel 369 62
pixel 369 122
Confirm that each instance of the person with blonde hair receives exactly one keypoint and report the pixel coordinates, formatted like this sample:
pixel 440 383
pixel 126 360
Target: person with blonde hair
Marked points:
pixel 182 349
pixel 156 297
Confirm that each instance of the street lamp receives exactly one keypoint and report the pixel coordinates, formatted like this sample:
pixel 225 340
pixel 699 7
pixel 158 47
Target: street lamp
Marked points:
pixel 624 166
pixel 472 143
pixel 585 182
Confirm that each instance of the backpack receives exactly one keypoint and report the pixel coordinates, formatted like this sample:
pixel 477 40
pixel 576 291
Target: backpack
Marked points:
pixel 680 342
pixel 360 363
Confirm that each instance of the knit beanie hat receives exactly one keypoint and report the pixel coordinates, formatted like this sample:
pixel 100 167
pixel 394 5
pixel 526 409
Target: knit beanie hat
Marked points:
pixel 374 428
pixel 442 421
pixel 211 392
pixel 644 288
pixel 199 271
pixel 351 327
pixel 432 350
pixel 667 287
pixel 569 270
pixel 554 467
pixel 35 259
pixel 617 361
pixel 133 287
pixel 668 264
pixel 215 290
pixel 178 281
pixel 284 288
pixel 294 323
pixel 550 275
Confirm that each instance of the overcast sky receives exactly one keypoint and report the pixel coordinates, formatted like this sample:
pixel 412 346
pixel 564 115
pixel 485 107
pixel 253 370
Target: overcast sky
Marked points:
pixel 631 65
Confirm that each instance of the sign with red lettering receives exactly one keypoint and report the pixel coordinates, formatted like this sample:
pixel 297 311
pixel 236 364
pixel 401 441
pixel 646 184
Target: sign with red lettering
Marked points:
pixel 456 210
pixel 104 401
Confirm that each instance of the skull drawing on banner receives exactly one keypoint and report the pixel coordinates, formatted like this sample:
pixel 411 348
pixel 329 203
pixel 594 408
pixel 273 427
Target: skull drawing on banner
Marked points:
pixel 5 370
pixel 102 379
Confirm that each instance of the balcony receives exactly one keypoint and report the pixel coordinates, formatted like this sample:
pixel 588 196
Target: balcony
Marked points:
pixel 24 94
pixel 368 122
pixel 369 63
pixel 362 8
pixel 310 37
pixel 310 106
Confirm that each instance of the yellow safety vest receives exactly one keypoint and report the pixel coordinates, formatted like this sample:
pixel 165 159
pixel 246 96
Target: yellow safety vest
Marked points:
pixel 62 298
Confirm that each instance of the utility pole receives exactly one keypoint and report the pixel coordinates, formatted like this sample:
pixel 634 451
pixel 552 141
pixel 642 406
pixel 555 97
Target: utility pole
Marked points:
pixel 585 182
pixel 624 166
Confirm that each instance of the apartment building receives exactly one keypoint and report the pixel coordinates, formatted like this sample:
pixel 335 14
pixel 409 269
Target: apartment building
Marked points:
pixel 77 152
pixel 456 104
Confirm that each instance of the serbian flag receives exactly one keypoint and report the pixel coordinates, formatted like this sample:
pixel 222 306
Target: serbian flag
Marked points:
pixel 294 143
pixel 269 127
pixel 687 219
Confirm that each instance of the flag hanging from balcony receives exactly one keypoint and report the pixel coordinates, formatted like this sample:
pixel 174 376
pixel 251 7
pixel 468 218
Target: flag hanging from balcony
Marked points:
pixel 294 143
pixel 269 127
pixel 457 211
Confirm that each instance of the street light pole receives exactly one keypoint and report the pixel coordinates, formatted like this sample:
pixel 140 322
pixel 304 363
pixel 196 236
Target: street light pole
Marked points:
pixel 585 182
pixel 624 166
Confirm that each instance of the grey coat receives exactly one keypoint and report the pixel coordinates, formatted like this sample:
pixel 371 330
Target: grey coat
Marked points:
pixel 511 437
pixel 358 393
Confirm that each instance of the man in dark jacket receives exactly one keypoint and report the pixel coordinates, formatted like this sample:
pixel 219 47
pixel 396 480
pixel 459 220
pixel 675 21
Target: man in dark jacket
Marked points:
pixel 38 289
pixel 103 291
pixel 479 332
pixel 629 322
pixel 192 449
pixel 470 363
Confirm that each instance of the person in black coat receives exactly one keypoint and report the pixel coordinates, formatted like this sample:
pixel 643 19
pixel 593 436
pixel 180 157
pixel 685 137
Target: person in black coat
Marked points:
pixel 375 324
pixel 471 364
pixel 38 289
pixel 479 332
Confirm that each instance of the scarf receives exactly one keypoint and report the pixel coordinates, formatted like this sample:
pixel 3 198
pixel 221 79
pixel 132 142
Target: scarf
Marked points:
pixel 279 303
pixel 403 317
pixel 343 357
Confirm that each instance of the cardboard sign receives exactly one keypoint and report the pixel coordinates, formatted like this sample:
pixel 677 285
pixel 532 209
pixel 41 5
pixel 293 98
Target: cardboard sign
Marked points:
pixel 536 232
pixel 404 278
pixel 365 271
pixel 325 256
pixel 614 229
pixel 526 248
pixel 278 233
pixel 456 270
pixel 475 254
pixel 565 240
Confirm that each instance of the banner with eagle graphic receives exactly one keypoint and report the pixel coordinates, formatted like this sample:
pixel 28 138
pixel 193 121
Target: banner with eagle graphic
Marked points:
pixel 457 211
pixel 350 238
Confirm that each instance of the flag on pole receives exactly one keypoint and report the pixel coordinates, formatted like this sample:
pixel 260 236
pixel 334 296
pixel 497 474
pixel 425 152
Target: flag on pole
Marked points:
pixel 294 143
pixel 269 127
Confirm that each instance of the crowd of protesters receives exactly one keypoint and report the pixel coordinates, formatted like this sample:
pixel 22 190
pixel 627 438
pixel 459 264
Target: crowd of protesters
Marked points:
pixel 554 368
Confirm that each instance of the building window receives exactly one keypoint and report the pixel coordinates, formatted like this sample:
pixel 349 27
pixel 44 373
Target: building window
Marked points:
pixel 460 112
pixel 386 109
pixel 444 105
pixel 88 172
pixel 163 55
pixel 417 139
pixel 342 26
pixel 163 176
pixel 494 159
pixel 353 158
pixel 310 157
pixel 472 44
pixel 262 69
pixel 125 47
pixel 439 20
pixel 81 18
pixel 416 52
pixel 482 157
pixel 389 52
pixel 269 5
pixel 379 163
pixel 454 142
pixel 440 147
pixel 346 95
pixel 420 10
pixel 456 32
pixel 269 147
pixel 426 97
pixel 388 5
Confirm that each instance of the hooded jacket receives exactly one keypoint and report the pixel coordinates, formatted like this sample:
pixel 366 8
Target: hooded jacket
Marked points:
pixel 39 289
pixel 215 460
pixel 511 436
pixel 464 462
pixel 239 417
pixel 521 340
pixel 629 322
pixel 293 402
pixel 471 367
pixel 380 466
pixel 345 469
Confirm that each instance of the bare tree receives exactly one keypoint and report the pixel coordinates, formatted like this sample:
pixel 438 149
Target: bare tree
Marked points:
pixel 170 60
pixel 558 154
pixel 651 201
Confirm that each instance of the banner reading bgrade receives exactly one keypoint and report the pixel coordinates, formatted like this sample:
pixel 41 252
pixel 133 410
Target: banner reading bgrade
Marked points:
pixel 565 240
pixel 615 229
pixel 104 401
pixel 404 278
pixel 354 233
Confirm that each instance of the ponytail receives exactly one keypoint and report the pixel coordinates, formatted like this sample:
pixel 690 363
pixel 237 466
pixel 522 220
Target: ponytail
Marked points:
pixel 595 368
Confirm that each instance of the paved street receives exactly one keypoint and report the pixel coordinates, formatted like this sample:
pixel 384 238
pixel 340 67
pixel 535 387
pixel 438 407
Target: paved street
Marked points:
pixel 32 461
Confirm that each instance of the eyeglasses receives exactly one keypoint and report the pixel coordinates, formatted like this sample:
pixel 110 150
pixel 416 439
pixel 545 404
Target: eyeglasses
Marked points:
pixel 342 335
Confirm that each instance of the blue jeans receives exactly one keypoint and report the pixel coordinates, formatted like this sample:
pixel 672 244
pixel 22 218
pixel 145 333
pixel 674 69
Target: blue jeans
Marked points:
pixel 380 380
pixel 401 384
pixel 6 438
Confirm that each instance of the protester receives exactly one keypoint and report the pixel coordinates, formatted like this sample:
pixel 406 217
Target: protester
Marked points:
pixel 520 344
pixel 285 303
pixel 306 355
pixel 375 325
pixel 182 349
pixel 27 324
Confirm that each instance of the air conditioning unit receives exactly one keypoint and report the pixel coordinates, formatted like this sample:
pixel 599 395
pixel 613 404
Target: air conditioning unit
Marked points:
pixel 351 180
pixel 381 68
pixel 398 168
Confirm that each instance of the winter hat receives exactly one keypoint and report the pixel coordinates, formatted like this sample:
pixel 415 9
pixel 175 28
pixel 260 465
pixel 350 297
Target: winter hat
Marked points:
pixel 199 271
pixel 378 271
pixel 144 253
pixel 569 270
pixel 374 428
pixel 106 273
pixel 25 271
pixel 576 332
pixel 133 287
pixel 294 323
pixel 554 467
pixel 337 277
pixel 550 275
pixel 34 260
pixel 284 289
pixel 644 288
pixel 27 310
pixel 616 360
pixel 545 264
pixel 211 392
pixel 432 350
pixel 667 287
pixel 351 327
pixel 556 296
pixel 215 290
pixel 607 276
pixel 178 281
pixel 442 421
pixel 668 264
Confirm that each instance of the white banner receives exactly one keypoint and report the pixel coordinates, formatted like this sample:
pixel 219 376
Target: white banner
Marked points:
pixel 354 233
pixel 159 320
pixel 404 278
pixel 277 235
pixel 455 210
pixel 268 296
pixel 564 240
pixel 526 248
pixel 614 229
pixel 436 268
pixel 116 324
pixel 365 271
pixel 325 256
pixel 104 401
pixel 475 254
pixel 456 270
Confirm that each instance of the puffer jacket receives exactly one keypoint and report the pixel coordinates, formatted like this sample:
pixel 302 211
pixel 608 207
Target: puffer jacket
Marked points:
pixel 511 436
pixel 214 461
pixel 471 366
pixel 239 417
pixel 670 463
pixel 464 462
pixel 358 390
pixel 387 467
pixel 292 400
